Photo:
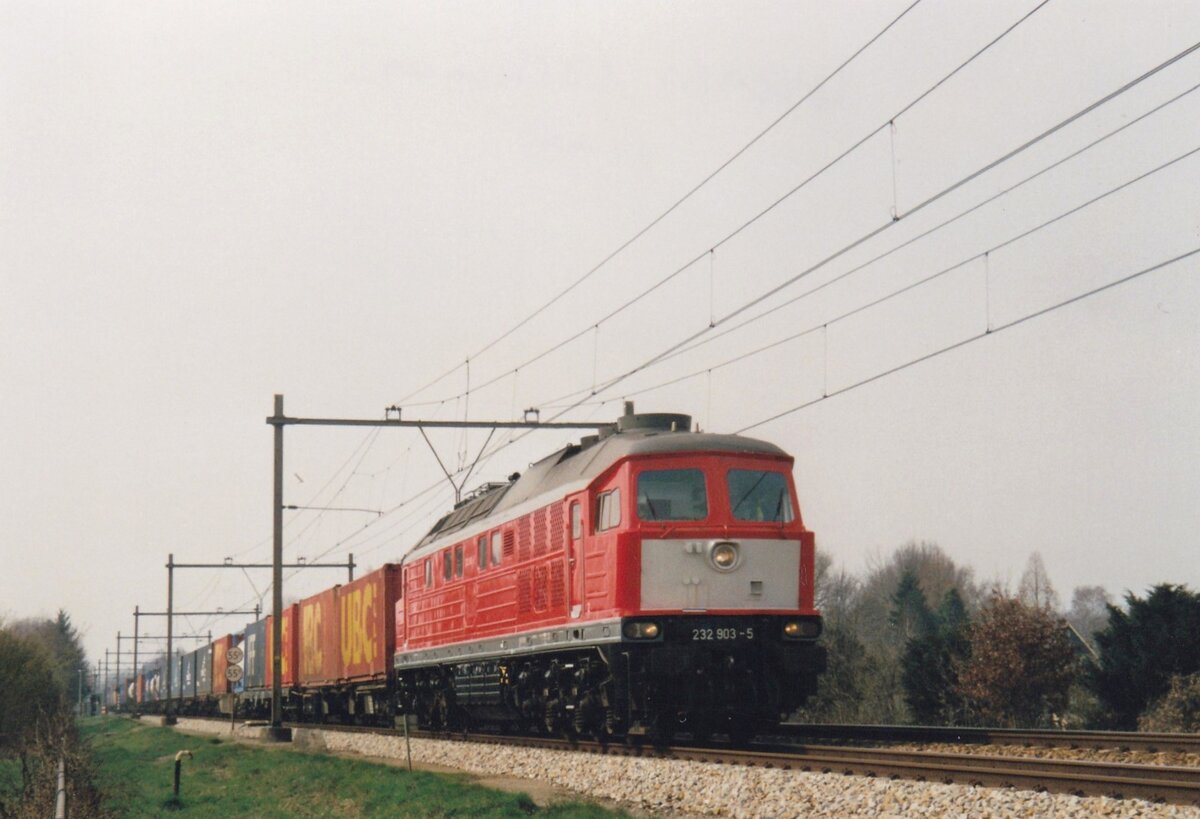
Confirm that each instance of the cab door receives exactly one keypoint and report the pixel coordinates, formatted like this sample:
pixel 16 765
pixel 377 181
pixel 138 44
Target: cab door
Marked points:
pixel 577 527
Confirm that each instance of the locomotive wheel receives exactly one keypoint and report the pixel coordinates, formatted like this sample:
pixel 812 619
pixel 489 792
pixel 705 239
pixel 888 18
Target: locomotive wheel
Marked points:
pixel 741 729
pixel 663 728
pixel 701 726
pixel 440 711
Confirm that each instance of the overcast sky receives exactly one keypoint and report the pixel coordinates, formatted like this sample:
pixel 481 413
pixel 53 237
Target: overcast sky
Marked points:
pixel 204 204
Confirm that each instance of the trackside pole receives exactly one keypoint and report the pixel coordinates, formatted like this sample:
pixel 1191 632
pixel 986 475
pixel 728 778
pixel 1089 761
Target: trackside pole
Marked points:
pixel 277 732
pixel 407 744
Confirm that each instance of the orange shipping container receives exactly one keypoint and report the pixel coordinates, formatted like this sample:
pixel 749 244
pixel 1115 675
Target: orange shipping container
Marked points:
pixel 319 639
pixel 367 624
pixel 269 677
pixel 220 684
pixel 291 646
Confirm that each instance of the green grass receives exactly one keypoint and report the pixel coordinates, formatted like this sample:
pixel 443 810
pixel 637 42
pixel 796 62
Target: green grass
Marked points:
pixel 135 770
pixel 10 778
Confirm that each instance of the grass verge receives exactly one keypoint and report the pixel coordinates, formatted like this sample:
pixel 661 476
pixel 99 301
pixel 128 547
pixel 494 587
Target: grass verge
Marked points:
pixel 135 769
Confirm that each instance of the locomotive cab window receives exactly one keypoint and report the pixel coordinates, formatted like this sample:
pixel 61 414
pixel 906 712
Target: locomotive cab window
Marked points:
pixel 483 552
pixel 447 568
pixel 672 494
pixel 576 520
pixel 458 560
pixel 608 512
pixel 759 495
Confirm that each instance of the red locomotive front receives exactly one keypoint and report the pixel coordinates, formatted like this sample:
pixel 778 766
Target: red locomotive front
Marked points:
pixel 646 580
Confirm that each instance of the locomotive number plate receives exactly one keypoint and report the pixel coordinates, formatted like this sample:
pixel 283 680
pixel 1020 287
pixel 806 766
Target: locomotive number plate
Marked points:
pixel 722 634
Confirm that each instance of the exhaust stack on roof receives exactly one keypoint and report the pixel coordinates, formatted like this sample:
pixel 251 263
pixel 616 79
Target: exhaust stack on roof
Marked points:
pixel 656 421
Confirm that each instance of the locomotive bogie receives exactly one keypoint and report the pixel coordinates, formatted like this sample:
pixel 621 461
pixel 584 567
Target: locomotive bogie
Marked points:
pixel 658 676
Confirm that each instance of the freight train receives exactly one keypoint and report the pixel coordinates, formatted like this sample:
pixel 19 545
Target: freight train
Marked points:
pixel 649 579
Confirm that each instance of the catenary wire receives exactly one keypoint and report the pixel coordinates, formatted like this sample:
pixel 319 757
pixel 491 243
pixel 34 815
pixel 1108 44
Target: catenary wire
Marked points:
pixel 554 402
pixel 971 339
pixel 876 231
pixel 663 281
pixel 653 223
pixel 919 282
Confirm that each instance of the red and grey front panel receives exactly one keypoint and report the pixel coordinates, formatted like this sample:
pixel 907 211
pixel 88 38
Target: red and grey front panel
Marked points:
pixel 728 574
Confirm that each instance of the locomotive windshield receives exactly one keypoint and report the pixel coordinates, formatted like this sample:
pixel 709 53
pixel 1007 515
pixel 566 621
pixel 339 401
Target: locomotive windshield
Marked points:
pixel 759 495
pixel 672 494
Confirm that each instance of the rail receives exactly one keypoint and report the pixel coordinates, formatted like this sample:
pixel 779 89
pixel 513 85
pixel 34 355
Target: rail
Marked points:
pixel 1119 780
pixel 1043 738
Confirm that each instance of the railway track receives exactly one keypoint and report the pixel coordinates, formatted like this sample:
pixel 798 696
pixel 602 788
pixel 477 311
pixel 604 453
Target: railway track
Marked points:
pixel 1159 783
pixel 1093 740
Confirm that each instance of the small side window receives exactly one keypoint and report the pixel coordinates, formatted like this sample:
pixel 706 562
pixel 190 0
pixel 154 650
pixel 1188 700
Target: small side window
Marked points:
pixel 428 572
pixel 458 560
pixel 497 547
pixel 483 550
pixel 608 512
pixel 576 520
pixel 447 568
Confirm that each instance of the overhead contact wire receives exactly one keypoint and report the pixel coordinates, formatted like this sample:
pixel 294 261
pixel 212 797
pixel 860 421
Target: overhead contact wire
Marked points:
pixel 918 283
pixel 876 231
pixel 971 339
pixel 692 192
pixel 1058 163
pixel 790 193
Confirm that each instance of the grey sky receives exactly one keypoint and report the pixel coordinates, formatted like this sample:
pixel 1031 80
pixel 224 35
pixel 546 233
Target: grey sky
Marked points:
pixel 205 204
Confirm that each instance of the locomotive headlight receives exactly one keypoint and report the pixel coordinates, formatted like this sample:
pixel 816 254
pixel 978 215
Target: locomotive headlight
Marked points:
pixel 641 630
pixel 801 629
pixel 724 556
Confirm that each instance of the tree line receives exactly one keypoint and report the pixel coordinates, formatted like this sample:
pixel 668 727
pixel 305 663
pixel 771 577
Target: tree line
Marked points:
pixel 43 668
pixel 917 640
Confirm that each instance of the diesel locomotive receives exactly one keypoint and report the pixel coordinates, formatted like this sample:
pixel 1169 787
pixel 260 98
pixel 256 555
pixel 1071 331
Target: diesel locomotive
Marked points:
pixel 649 580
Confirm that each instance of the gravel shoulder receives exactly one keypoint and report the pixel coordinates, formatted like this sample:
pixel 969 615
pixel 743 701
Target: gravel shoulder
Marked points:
pixel 680 788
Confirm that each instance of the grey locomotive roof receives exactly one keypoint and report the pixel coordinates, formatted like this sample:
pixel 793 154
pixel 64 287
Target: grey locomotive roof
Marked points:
pixel 576 463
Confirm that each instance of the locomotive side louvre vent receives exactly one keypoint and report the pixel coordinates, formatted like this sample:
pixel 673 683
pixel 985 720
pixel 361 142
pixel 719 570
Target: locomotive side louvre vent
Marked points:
pixel 524 593
pixel 557 533
pixel 558 599
pixel 509 544
pixel 524 535
pixel 540 540
pixel 541 579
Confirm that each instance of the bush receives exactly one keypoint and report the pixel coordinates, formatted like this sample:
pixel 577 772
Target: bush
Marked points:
pixel 1020 667
pixel 29 694
pixel 1178 710
pixel 1142 649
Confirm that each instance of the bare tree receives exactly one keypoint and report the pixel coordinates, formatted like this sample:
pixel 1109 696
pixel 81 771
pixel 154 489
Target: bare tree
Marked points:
pixel 1035 589
pixel 1089 610
pixel 936 573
